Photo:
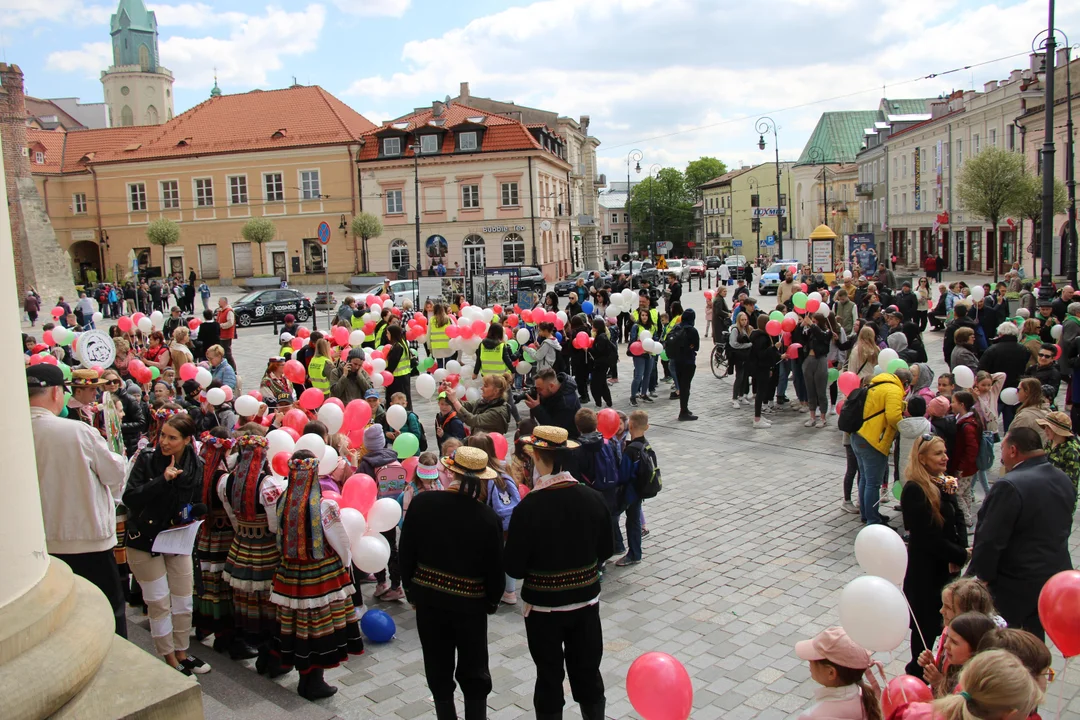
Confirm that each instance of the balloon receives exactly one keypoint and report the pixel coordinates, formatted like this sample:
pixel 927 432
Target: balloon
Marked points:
pixel 294 372
pixel 834 375
pixel 881 552
pixel 814 296
pixel 886 356
pixel 1058 602
pixel 279 441
pixel 453 367
pixel 644 335
pixel 793 351
pixel 523 490
pixel 215 396
pixel 312 443
pixel 312 399
pixel 824 310
pixel 188 371
pixel 523 368
pixel 1055 332
pixel 48 338
pixel 1009 396
pixel 812 305
pixel 789 324
pixel 964 377
pixel 773 328
pixel 98 317
pixel 155 373
pixel 246 406
pixel 280 463
pixel 193 324
pixel 377 626
pixel 587 307
pixel 329 401
pixel 425 385
pixel 847 274
pixel 353 521
pixel 396 416
pixel 799 300
pixel 57 312
pixel 124 323
pixel 357 416
pixel 296 419
pixel 607 422
pixel 384 515
pixel 874 613
pixel 776 315
pixel 895 365
pixel 405 445
pixel 146 326
pixel 977 293
pixel 329 461
pixel 369 554
pixel 903 690
pixel 659 687
pixel 388 379
pixel 502 447
pixel 635 348
pixel 332 417
pixel 359 492
pixel 839 407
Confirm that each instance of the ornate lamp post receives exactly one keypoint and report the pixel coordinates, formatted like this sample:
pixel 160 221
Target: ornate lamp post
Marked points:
pixel 763 126
pixel 654 173
pixel 632 157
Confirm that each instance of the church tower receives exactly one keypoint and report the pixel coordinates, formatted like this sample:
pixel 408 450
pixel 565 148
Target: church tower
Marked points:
pixel 138 90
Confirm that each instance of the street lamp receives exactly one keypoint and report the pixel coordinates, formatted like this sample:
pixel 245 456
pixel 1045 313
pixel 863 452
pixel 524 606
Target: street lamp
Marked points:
pixel 634 156
pixel 753 184
pixel 764 125
pixel 1046 231
pixel 654 168
pixel 415 147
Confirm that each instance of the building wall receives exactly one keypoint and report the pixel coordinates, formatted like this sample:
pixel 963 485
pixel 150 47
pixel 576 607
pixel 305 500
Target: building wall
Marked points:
pixel 717 218
pixel 613 224
pixel 761 181
pixel 149 95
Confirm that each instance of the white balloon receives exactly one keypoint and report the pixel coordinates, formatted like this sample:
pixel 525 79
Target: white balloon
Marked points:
pixel 977 293
pixel 378 364
pixel 441 374
pixel 146 325
pixel 396 416
pixel 814 296
pixel 215 396
pixel 964 377
pixel 157 319
pixel 613 311
pixel 522 336
pixel 331 416
pixel 886 356
pixel 628 296
pixel 375 308
pixel 60 335
pixel 644 335
pixel 1055 332
pixel 369 554
pixel 311 442
pixel 472 394
pixel 881 552
pixel 377 380
pixel 98 317
pixel 523 368
pixel 847 274
pixel 453 367
pixel 204 378
pixel 562 315
pixel 792 316
pixel 354 523
pixel 823 310
pixel 329 461
pixel 246 406
pixel 279 441
pixel 1008 396
pixel 657 348
pixel 425 385
pixel 487 315
pixel 384 515
pixel 874 613
pixel 357 338
pixel 460 391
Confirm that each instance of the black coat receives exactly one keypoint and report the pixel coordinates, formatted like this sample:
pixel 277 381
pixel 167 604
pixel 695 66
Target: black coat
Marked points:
pixel 949 341
pixel 1023 537
pixel 154 503
pixel 907 303
pixel 560 408
pixel 931 547
pixel 1006 355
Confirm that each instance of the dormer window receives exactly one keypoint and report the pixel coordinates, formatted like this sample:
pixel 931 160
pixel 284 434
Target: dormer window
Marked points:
pixel 39 157
pixel 429 144
pixel 278 134
pixel 391 146
pixel 467 140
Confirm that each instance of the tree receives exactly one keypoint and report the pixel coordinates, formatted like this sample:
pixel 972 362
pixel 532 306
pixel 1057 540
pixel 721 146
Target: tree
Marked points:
pixel 1029 205
pixel 163 232
pixel 259 231
pixel 366 226
pixel 661 208
pixel 990 185
pixel 701 171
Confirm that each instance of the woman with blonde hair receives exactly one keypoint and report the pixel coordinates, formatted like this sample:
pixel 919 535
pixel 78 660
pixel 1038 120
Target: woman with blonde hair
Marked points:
pixel 739 351
pixel 1033 405
pixel 995 686
pixel 180 348
pixel 863 357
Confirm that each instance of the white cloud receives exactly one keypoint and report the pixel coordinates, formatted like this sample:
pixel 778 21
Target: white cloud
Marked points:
pixel 194 15
pixel 374 8
pixel 16 13
pixel 89 60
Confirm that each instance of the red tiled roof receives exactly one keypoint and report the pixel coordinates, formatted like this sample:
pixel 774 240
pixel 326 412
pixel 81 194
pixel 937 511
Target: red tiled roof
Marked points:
pixel 52 142
pixel 725 178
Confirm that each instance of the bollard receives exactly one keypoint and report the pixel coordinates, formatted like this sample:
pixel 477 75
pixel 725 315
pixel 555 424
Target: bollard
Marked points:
pixel 276 333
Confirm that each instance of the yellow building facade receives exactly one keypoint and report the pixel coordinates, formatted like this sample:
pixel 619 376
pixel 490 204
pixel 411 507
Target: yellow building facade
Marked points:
pixel 732 202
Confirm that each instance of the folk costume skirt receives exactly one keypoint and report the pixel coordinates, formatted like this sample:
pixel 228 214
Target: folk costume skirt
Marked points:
pixel 249 571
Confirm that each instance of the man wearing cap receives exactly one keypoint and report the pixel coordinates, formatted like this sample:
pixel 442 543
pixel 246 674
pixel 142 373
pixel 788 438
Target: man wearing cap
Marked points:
pixel 78 479
pixel 289 328
pixel 378 415
pixel 907 302
pixel 1023 529
pixel 354 383
pixel 559 533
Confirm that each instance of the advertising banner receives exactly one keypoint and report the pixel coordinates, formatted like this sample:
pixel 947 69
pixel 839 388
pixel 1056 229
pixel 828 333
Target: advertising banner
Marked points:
pixel 862 252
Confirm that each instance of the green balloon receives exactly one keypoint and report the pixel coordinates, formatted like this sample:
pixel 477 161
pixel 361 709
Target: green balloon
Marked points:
pixel 66 369
pixel 406 445
pixel 64 410
pixel 66 340
pixel 155 373
pixel 833 375
pixel 776 315
pixel 895 365
pixel 897 488
pixel 799 299
pixel 528 356
pixel 513 346
pixel 427 363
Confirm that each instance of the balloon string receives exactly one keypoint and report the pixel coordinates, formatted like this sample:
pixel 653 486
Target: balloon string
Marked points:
pixel 1057 715
pixel 917 628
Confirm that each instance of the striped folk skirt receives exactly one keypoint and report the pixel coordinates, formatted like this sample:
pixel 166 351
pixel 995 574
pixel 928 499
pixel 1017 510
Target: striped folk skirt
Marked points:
pixel 317 622
pixel 213 602
pixel 249 571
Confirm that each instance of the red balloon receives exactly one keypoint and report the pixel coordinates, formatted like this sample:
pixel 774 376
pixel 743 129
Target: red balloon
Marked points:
pixel 294 372
pixel 452 331
pixel 294 434
pixel 708 294
pixel 479 327
pixel 136 317
pixel 787 324
pixel 51 360
pixel 527 316
pixel 802 286
pixel 607 422
pixel 331 495
pixel 1058 603
pixel 57 312
pixel 303 332
pixel 228 393
pixel 98 369
pixel 194 323
pixel 523 490
pixel 839 405
pixel 357 416
pixel 903 690
pixel 635 348
pixel 124 323
pixel 47 338
pixel 296 343
pixel 550 316
pixel 256 394
pixel 847 382
pixel 369 327
pixel 774 328
pixel 558 322
pixel 387 378
pixel 35 360
pixel 793 351
pixel 465 332
pixel 295 419
pixel 812 305
pixel 341 335
pixel 356 439
pixel 384 297
pixel 659 687
pixel 501 446
pixel 511 320
pixel 410 464
pixel 334 401
pixel 359 492
pixel 312 399
pixel 188 371
pixel 280 463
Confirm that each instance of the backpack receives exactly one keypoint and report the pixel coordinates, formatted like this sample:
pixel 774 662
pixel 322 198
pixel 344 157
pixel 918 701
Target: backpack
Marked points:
pixel 423 433
pixel 503 502
pixel 851 415
pixel 985 458
pixel 561 364
pixel 391 479
pixel 605 469
pixel 675 344
pixel 640 470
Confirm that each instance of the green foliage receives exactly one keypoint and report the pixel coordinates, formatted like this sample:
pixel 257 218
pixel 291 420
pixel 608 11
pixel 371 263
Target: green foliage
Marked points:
pixel 163 231
pixel 991 183
pixel 258 231
pixel 1029 201
pixel 701 171
pixel 366 226
pixel 671 206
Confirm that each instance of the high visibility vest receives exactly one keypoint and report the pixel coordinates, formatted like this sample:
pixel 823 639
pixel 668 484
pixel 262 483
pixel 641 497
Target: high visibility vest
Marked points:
pixel 357 321
pixel 404 366
pixel 674 321
pixel 317 373
pixel 640 328
pixel 286 351
pixel 379 334
pixel 491 361
pixel 437 336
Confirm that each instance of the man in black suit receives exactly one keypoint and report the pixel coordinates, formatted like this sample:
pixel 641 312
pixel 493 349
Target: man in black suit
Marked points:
pixel 1022 536
pixel 209 334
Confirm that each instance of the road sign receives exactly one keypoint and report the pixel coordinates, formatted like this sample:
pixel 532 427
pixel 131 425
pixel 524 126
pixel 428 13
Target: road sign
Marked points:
pixel 770 240
pixel 324 233
pixel 736 243
pixel 663 247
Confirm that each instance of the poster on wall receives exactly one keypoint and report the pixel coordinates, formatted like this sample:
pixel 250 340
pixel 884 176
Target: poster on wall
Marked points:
pixel 862 252
pixel 821 258
pixel 501 285
pixel 452 287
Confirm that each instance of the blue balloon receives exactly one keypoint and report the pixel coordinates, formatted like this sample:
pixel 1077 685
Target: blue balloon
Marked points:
pixel 378 626
pixel 587 307
pixel 558 336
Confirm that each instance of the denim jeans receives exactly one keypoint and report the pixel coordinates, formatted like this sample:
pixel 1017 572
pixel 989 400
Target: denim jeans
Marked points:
pixel 784 368
pixel 643 366
pixel 633 530
pixel 873 467
pixel 654 377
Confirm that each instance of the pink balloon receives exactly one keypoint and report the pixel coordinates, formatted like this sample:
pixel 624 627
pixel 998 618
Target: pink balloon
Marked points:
pixel 357 416
pixel 847 382
pixel 331 495
pixel 296 419
pixel 334 401
pixel 311 399
pixel 523 490
pixel 773 328
pixel 124 323
pixel 902 690
pixel 659 687
pixel 188 371
pixel 410 464
pixel 501 445
pixel 387 378
pixel 812 305
pixel 635 348
pixel 137 317
pixel 291 432
pixel 256 394
pixel 228 393
pixel 359 492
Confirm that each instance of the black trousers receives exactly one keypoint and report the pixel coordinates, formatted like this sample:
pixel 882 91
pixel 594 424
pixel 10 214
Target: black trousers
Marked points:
pixel 574 638
pixel 100 569
pixel 444 632
pixel 599 387
pixel 684 374
pixel 401 384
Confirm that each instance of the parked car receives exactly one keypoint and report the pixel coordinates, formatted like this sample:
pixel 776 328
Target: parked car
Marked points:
pixel 678 268
pixel 771 277
pixel 697 267
pixel 401 290
pixel 564 286
pixel 634 269
pixel 737 265
pixel 713 262
pixel 269 305
pixel 531 279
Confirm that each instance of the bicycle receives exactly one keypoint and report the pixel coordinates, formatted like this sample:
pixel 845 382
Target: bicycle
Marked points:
pixel 718 361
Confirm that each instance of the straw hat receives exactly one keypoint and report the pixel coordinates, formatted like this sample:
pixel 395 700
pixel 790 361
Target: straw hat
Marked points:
pixel 549 437
pixel 469 459
pixel 85 379
pixel 1058 423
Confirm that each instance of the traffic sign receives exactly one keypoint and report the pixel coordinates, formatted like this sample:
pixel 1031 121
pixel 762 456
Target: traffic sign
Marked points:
pixel 736 243
pixel 663 247
pixel 324 233
pixel 770 240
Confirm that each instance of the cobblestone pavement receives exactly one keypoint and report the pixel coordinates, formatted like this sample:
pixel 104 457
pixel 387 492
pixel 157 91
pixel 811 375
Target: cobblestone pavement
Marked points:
pixel 747 554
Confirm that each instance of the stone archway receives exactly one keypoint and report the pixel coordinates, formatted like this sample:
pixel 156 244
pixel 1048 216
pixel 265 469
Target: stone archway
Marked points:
pixel 85 256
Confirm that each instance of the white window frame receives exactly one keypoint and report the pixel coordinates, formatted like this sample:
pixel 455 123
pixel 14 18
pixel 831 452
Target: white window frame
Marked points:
pixel 78 203
pixel 274 194
pixel 39 157
pixel 516 246
pixel 615 237
pixel 395 202
pixel 310 183
pixel 167 202
pixel 975 144
pixel 136 193
pixel 470 197
pixel 473 141
pixel 510 196
pixel 993 137
pixel 429 144
pixel 233 188
pixel 959 152
pixel 386 145
pixel 203 193
pixel 399 253
pixel 615 218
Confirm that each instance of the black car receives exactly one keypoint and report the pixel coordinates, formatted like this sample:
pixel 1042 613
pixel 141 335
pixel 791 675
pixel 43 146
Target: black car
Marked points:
pixel 564 286
pixel 268 305
pixel 713 262
pixel 531 279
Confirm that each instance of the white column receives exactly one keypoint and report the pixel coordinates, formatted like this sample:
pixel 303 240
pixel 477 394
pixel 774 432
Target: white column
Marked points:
pixel 23 559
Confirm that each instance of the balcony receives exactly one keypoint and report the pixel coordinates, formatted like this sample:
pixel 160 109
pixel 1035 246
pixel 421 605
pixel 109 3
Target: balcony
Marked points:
pixel 586 221
pixel 864 188
pixel 715 211
pixel 712 235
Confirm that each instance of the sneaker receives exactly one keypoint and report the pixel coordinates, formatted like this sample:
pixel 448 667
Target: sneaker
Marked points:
pixel 646 398
pixel 809 422
pixel 735 404
pixel 804 408
pixel 626 561
pixel 633 401
pixel 510 598
pixel 793 407
pixel 673 396
pixel 688 416
pixel 182 669
pixel 761 424
pixel 365 578
pixel 885 499
pixel 832 410
pixel 820 423
pixel 668 379
pixel 195 665
pixel 653 393
pixel 392 594
pixel 380 589
pixel 644 532
pixel 848 507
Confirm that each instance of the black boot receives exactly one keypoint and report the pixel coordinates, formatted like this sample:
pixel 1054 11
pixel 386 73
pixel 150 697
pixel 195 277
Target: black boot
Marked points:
pixel 313 687
pixel 549 716
pixel 476 708
pixel 445 710
pixel 240 650
pixel 593 711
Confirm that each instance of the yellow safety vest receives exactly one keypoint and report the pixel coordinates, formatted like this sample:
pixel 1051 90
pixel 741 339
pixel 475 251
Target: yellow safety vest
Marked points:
pixel 357 321
pixel 379 334
pixel 317 373
pixel 286 351
pixel 491 361
pixel 674 321
pixel 437 336
pixel 641 327
pixel 404 366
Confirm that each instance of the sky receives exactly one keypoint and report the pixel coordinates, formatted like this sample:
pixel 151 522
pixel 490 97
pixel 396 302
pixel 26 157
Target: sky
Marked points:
pixel 675 79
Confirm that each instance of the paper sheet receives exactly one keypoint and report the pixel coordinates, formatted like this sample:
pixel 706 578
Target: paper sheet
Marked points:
pixel 177 541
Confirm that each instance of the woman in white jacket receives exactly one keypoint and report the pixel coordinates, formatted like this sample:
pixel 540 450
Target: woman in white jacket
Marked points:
pixel 738 350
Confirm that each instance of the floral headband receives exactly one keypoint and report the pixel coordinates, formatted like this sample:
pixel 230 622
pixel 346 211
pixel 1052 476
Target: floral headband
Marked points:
pixel 163 414
pixel 222 443
pixel 303 464
pixel 246 441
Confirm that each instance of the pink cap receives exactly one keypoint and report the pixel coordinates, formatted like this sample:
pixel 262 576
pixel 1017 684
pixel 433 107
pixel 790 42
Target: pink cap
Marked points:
pixel 938 407
pixel 835 646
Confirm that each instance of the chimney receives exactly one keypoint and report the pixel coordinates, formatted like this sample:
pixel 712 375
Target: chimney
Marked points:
pixel 1015 75
pixel 13 123
pixel 437 108
pixel 463 93
pixel 583 121
pixel 992 85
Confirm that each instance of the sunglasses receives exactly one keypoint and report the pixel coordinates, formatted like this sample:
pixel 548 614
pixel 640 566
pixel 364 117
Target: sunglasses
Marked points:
pixel 112 382
pixel 927 437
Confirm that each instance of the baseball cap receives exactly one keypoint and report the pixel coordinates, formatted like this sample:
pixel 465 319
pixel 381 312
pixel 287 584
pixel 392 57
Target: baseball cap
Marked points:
pixel 44 375
pixel 290 318
pixel 835 646
pixel 369 394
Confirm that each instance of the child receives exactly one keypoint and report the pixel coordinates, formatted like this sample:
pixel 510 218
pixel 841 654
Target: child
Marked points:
pixel 426 480
pixel 838 665
pixel 960 596
pixel 448 447
pixel 412 423
pixel 501 494
pixel 946 385
pixel 966 631
pixel 1028 649
pixel 912 427
pixel 996 686
pixel 965 450
pixel 939 413
pixel 447 423
pixel 521 463
pixel 637 468
pixel 379 462
pixel 596 464
pixel 548 352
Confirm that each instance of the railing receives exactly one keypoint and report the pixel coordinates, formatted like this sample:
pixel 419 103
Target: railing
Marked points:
pixel 864 188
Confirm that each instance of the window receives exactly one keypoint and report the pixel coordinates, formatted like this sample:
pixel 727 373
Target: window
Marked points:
pixel 470 196
pixel 783 200
pixel 394 205
pixel 896 167
pixel 467 140
pixel 238 194
pixel 509 194
pixel 429 144
pixel 78 203
pixel 614 218
pixel 993 137
pixel 391 146
pixel 975 144
pixel 754 200
pixel 309 185
pixel 626 218
pixel 39 157
pixel 136 197
pixel 895 204
pixel 273 187
pixel 959 153
pixel 204 192
pixel 513 249
pixel 615 236
pixel 903 202
pixel 170 195
pixel 399 254
pixel 1010 138
pixel 903 166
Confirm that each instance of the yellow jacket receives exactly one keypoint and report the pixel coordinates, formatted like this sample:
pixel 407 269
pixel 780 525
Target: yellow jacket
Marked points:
pixel 884 408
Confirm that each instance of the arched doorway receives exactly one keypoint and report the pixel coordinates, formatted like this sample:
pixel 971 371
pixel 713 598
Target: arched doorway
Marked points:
pixel 474 252
pixel 86 261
